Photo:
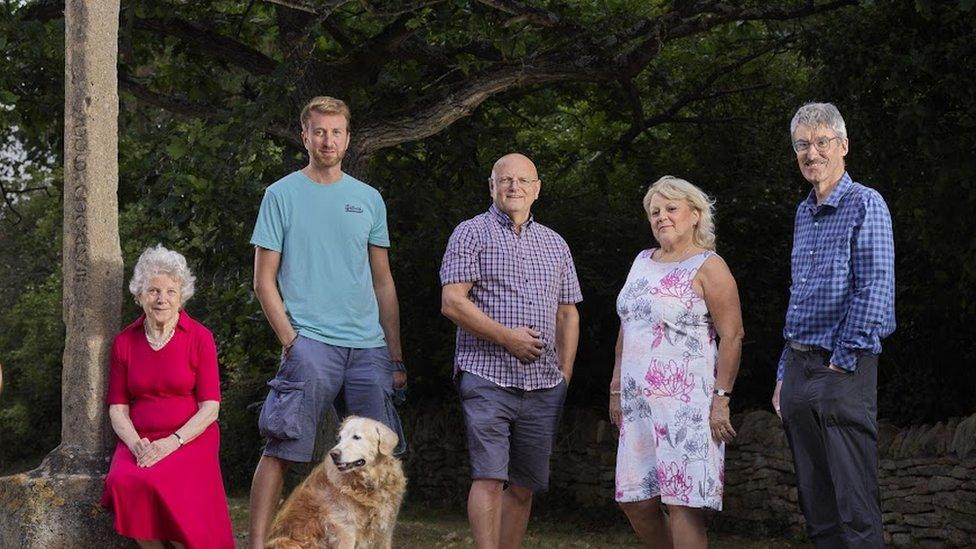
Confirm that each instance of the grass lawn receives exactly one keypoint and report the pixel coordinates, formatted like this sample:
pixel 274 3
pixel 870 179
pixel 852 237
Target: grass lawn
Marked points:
pixel 421 526
pixel 424 526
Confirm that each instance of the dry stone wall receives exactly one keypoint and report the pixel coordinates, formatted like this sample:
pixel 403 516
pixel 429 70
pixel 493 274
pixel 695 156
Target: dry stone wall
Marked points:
pixel 927 474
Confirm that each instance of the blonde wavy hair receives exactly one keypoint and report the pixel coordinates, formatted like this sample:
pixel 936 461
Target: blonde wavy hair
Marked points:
pixel 674 188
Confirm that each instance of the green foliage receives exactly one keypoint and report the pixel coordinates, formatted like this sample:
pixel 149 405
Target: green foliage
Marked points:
pixel 901 75
pixel 31 331
pixel 904 76
pixel 33 341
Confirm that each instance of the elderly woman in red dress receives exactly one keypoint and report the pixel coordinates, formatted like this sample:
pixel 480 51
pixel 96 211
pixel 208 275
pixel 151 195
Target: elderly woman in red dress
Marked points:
pixel 164 484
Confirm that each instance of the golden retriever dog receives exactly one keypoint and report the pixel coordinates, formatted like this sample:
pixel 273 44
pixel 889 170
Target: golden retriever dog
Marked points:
pixel 351 499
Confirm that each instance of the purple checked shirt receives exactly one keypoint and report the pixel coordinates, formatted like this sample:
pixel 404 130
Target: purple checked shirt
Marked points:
pixel 519 280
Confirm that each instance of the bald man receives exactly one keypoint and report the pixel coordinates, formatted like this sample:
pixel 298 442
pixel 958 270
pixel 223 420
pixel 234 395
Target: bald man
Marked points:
pixel 510 285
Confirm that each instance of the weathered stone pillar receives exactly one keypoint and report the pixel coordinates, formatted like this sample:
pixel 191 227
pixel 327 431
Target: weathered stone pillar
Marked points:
pixel 56 505
pixel 92 256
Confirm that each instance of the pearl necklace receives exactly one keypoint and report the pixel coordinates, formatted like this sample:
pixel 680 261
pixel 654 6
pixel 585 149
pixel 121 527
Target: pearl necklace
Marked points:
pixel 158 344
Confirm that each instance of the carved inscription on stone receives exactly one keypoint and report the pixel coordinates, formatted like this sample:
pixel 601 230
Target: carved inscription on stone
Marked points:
pixel 78 148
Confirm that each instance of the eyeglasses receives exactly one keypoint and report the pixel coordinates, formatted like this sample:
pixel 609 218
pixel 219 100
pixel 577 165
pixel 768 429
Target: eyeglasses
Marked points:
pixel 510 181
pixel 822 144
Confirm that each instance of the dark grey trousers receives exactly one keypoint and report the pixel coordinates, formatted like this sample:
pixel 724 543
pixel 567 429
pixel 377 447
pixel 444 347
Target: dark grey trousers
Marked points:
pixel 832 428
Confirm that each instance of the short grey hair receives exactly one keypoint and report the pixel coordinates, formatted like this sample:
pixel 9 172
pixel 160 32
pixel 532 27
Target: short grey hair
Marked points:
pixel 819 114
pixel 157 260
pixel 674 188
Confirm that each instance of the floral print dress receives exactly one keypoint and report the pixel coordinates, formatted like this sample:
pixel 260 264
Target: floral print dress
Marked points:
pixel 666 378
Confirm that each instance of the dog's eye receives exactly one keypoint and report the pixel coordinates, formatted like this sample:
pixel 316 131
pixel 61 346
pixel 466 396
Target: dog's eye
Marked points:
pixel 355 437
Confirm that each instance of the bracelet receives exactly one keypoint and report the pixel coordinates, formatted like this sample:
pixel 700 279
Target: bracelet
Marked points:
pixel 179 438
pixel 614 392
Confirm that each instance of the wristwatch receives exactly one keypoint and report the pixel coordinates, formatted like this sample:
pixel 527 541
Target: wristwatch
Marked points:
pixel 722 393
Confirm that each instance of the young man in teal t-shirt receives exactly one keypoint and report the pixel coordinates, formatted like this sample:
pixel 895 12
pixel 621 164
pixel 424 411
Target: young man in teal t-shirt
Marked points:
pixel 322 275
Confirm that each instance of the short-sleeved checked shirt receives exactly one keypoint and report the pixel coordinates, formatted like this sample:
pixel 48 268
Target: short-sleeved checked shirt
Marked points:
pixel 519 280
pixel 842 296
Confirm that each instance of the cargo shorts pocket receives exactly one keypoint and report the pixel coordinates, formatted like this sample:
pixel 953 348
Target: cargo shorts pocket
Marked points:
pixel 281 415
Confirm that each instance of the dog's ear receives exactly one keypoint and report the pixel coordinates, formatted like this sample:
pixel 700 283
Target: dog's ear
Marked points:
pixel 386 439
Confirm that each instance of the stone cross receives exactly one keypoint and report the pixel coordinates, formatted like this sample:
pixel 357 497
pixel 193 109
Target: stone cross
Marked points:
pixel 56 505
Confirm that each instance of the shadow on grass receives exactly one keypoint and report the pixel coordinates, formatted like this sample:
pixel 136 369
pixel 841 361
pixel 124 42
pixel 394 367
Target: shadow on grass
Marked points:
pixel 429 525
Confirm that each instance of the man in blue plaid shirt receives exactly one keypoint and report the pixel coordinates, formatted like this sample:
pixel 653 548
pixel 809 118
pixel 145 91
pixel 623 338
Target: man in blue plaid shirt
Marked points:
pixel 841 305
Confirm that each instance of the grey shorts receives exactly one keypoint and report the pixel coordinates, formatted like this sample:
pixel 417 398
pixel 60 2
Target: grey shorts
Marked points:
pixel 511 432
pixel 310 379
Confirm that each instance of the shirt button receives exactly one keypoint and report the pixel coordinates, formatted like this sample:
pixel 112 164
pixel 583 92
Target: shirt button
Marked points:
pixel 794 307
pixel 811 252
pixel 789 334
pixel 803 280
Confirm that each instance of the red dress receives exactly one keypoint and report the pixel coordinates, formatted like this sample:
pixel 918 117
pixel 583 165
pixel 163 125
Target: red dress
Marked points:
pixel 180 498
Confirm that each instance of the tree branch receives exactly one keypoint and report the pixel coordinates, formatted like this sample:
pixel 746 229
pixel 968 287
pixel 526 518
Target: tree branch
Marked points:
pixel 10 203
pixel 213 43
pixel 403 9
pixel 319 8
pixel 25 190
pixel 636 106
pixel 653 33
pixel 591 54
pixel 523 13
pixel 440 113
pixel 295 5
pixel 702 92
pixel 181 107
pixel 174 105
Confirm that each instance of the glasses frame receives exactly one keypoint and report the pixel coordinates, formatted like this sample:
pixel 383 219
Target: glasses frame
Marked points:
pixel 507 181
pixel 802 145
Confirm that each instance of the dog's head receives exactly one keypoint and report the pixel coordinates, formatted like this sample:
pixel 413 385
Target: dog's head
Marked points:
pixel 361 441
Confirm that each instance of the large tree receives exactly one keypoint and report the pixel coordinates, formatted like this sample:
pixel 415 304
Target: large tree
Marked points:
pixel 411 69
pixel 603 93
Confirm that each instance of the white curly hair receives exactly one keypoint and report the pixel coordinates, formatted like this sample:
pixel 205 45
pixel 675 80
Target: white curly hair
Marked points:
pixel 157 260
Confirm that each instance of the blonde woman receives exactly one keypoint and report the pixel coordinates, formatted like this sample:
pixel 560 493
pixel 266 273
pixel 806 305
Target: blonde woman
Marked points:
pixel 672 379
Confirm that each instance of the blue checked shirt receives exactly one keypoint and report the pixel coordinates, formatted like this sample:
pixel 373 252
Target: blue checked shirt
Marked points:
pixel 842 295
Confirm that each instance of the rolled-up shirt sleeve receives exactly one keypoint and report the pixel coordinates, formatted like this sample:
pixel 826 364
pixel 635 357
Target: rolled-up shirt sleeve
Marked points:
pixel 461 258
pixel 569 288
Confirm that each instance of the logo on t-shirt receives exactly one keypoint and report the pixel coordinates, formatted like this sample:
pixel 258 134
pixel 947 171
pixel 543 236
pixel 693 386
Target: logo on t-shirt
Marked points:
pixel 353 209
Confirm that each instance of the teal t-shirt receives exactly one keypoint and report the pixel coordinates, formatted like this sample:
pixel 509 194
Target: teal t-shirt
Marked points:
pixel 322 232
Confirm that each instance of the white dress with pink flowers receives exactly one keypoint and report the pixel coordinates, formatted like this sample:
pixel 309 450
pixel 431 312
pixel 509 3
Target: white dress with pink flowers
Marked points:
pixel 667 372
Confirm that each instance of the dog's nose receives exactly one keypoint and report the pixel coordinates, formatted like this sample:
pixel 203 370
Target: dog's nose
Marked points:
pixel 335 455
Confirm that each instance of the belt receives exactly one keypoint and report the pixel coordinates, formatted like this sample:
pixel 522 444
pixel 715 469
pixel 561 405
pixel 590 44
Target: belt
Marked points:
pixel 805 348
